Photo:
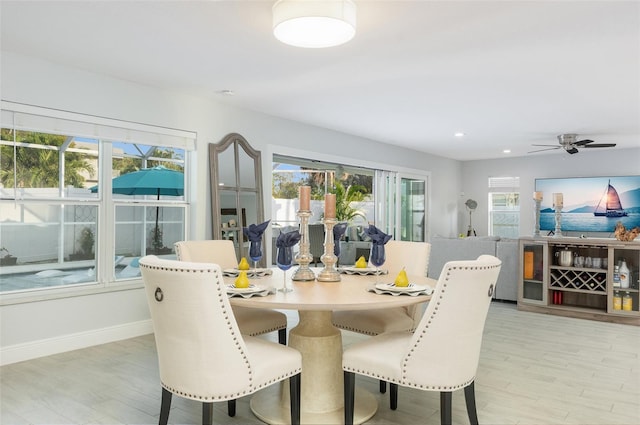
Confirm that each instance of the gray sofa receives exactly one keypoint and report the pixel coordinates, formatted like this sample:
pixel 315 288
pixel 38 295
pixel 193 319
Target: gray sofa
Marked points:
pixel 447 249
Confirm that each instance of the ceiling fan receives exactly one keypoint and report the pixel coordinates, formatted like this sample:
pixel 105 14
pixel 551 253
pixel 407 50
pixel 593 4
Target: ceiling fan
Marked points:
pixel 570 143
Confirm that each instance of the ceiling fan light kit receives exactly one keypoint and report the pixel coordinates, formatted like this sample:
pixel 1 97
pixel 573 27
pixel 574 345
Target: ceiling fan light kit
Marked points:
pixel 570 143
pixel 314 23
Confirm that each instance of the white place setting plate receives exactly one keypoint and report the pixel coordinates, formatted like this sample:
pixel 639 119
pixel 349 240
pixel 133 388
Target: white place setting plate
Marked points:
pixel 252 290
pixel 412 287
pixel 250 273
pixel 361 270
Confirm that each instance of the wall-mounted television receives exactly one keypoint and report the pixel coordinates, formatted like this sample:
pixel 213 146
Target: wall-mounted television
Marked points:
pixel 591 204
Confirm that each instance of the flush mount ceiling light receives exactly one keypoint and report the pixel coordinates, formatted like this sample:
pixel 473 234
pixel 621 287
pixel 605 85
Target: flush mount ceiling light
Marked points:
pixel 314 23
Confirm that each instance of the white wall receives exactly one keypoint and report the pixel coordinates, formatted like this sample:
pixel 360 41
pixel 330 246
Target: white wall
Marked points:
pixel 586 163
pixel 45 326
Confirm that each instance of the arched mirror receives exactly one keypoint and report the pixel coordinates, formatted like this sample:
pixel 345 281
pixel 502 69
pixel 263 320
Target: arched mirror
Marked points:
pixel 236 191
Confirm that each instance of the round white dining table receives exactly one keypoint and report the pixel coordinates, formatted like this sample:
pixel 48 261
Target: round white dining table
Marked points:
pixel 321 398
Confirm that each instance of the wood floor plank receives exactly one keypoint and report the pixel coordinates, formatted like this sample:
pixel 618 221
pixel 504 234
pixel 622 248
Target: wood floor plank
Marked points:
pixel 534 369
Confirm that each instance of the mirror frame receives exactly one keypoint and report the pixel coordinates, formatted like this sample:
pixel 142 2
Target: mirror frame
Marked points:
pixel 235 142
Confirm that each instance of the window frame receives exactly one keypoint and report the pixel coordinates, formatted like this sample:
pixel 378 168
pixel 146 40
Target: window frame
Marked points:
pixel 510 188
pixel 106 204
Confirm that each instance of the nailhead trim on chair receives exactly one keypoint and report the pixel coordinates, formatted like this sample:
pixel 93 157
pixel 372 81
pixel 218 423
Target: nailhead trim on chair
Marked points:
pixel 265 331
pixel 251 388
pixel 435 310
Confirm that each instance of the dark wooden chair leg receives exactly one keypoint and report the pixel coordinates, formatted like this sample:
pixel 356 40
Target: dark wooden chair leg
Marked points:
pixel 231 408
pixel 470 398
pixel 393 396
pixel 383 386
pixel 294 395
pixel 445 407
pixel 282 336
pixel 165 405
pixel 207 413
pixel 349 396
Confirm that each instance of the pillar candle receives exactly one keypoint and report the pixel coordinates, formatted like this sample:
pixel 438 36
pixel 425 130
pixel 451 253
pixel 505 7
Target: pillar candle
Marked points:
pixel 330 205
pixel 557 199
pixel 305 198
pixel 537 196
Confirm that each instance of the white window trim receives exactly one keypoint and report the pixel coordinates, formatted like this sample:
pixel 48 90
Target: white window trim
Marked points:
pixel 33 118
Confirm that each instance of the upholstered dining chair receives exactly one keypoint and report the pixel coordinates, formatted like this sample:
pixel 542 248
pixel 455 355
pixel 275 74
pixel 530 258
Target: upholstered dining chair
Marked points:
pixel 443 353
pixel 414 257
pixel 201 353
pixel 251 321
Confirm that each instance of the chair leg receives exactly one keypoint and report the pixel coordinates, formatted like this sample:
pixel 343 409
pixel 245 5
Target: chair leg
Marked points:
pixel 165 405
pixel 207 413
pixel 383 386
pixel 470 398
pixel 282 336
pixel 393 396
pixel 349 396
pixel 445 407
pixel 231 408
pixel 294 395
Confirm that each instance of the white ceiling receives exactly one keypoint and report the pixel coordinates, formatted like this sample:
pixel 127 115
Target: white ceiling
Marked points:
pixel 507 73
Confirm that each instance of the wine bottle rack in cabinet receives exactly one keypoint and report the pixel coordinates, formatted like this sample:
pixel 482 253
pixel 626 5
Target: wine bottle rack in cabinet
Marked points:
pixel 580 280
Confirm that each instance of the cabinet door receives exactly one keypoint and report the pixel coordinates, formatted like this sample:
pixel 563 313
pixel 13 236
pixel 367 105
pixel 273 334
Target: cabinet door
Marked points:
pixel 533 272
pixel 631 256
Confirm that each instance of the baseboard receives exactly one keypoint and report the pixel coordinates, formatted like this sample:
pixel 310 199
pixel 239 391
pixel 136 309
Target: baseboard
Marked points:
pixel 46 347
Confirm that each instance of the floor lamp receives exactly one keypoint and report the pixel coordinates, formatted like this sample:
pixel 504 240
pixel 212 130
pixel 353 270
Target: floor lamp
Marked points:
pixel 471 206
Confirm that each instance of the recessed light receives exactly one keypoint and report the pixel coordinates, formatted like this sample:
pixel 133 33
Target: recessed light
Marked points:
pixel 459 134
pixel 506 151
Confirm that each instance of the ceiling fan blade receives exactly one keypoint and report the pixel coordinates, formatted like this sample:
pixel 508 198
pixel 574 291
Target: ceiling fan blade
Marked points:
pixel 572 150
pixel 554 146
pixel 582 142
pixel 547 149
pixel 600 145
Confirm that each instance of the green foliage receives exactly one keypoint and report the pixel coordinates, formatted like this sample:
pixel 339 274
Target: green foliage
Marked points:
pixel 39 167
pixel 344 198
pixel 156 239
pixel 130 164
pixel 86 241
pixel 284 187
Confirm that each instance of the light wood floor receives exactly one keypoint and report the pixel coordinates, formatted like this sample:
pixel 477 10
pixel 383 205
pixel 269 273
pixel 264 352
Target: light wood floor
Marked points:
pixel 534 369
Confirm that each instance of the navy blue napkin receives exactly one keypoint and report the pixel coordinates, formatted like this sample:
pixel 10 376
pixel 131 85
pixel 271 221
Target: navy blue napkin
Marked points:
pixel 254 234
pixel 284 243
pixel 254 231
pixel 338 231
pixel 377 236
pixel 288 239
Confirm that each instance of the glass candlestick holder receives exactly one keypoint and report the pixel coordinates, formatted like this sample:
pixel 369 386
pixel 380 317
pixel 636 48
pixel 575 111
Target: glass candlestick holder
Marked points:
pixel 557 233
pixel 329 259
pixel 304 258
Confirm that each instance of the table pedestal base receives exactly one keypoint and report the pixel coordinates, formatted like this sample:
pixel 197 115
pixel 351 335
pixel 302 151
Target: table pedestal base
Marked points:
pixel 321 398
pixel 268 406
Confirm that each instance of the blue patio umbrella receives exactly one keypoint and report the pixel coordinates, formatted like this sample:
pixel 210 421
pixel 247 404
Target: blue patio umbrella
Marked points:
pixel 149 181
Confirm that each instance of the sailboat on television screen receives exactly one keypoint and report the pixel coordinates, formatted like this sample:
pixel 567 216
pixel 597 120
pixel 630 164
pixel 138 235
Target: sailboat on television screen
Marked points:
pixel 613 206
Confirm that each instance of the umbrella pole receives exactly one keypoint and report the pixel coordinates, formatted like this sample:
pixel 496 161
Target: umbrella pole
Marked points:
pixel 156 231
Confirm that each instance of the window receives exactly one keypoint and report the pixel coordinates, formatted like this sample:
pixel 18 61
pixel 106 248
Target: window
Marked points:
pixel 63 217
pixel 354 184
pixel 504 206
pixel 392 200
